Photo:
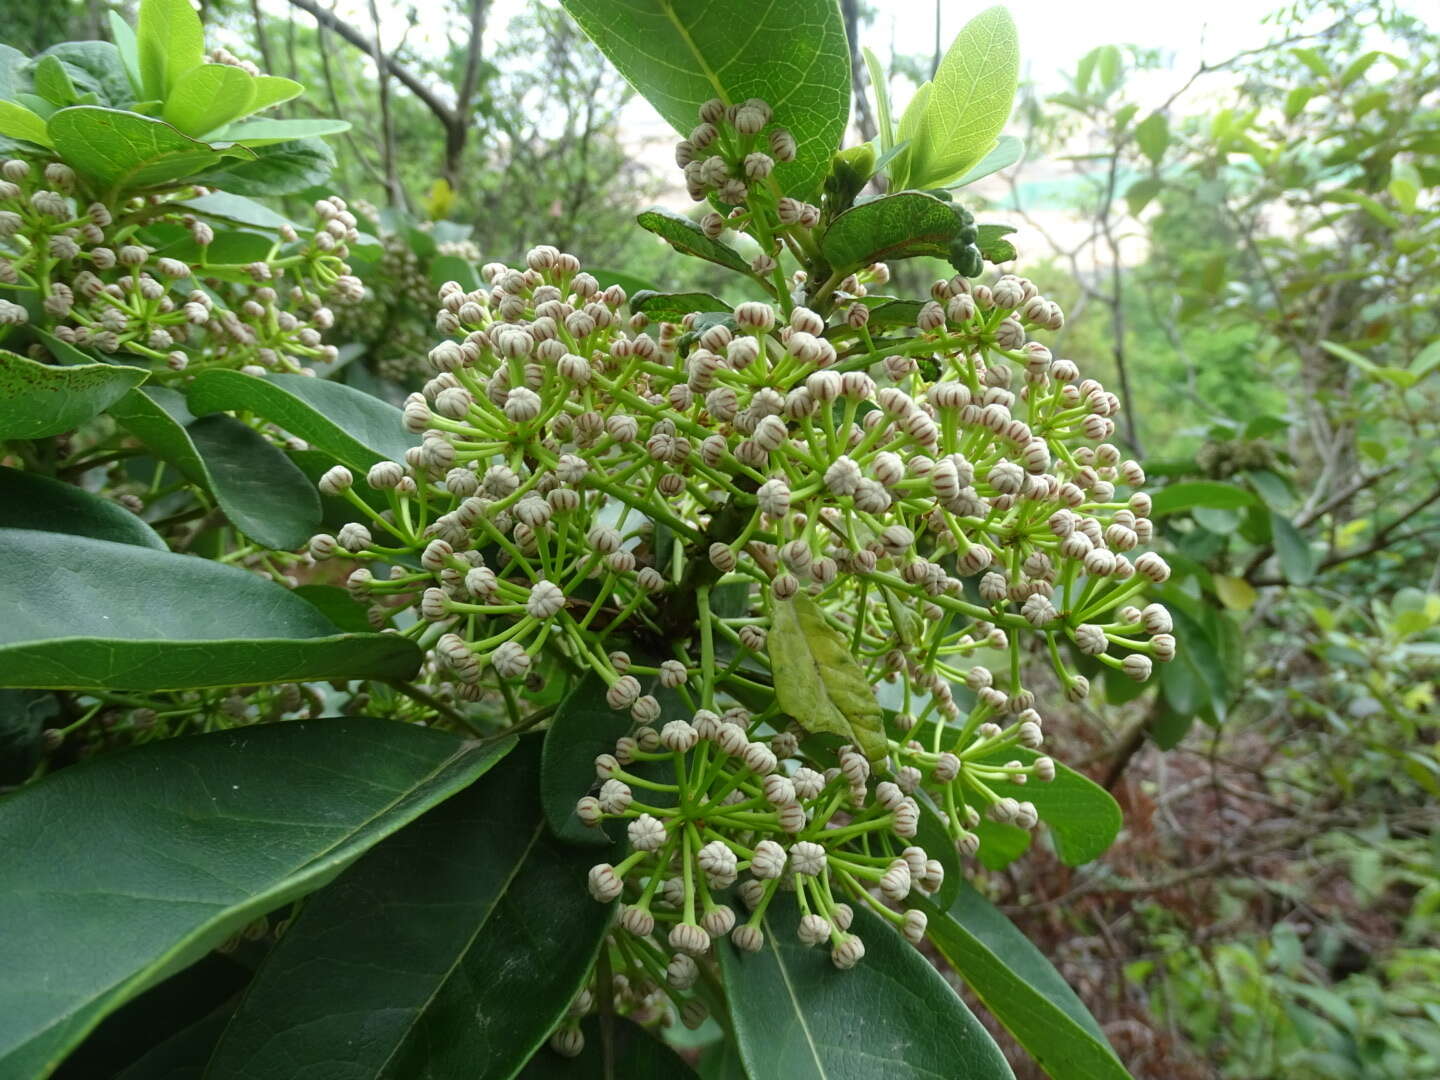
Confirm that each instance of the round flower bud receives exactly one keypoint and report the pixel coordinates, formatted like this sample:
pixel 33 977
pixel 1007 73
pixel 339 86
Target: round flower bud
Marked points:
pixel 682 972
pixel 1137 666
pixel 672 674
pixel 748 938
pixel 718 921
pixel 637 921
pixel 679 736
pixel 336 480
pixel 768 861
pixel 545 600
pixel 605 885
pixel 623 692
pixel 689 939
pixel 647 833
pixel 849 952
pixel 813 929
pixel 510 660
pixel 914 926
pixel 807 858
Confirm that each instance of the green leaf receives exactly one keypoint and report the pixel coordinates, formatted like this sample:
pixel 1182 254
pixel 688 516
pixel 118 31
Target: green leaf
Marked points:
pixel 128 47
pixel 208 97
pixel 672 307
pixel 1400 377
pixel 184 1055
pixel 688 238
pixel 797 1018
pixel 354 427
pixel 18 122
pixel 1008 150
pixel 157 416
pixel 1297 561
pixel 969 100
pixel 93 614
pixel 1083 818
pixel 629 282
pixel 638 1055
pixel 583 728
pixel 1169 727
pixel 52 82
pixel 262 491
pixel 474 929
pixel 170 41
pixel 276 170
pixel 270 131
pixel 1139 194
pixel 156 854
pixel 1427 361
pixel 123 150
pixel 223 206
pixel 1152 135
pixel 993 245
pixel 1020 987
pixel 1297 99
pixel 896 226
pixel 273 90
pixel 679 55
pixel 31 501
pixel 819 682
pixel 95 67
pixel 1182 496
pixel 880 86
pixel 1314 61
pixel 337 605
pixel 40 399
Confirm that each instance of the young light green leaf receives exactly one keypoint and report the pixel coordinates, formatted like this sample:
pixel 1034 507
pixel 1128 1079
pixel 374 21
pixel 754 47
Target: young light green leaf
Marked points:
pixel 990 239
pixel 1007 151
pixel 18 122
pixel 1427 360
pixel 31 501
pixel 269 131
pixel 93 614
pixel 898 226
pixel 685 236
pixel 273 90
pixel 969 100
pixel 52 83
pixel 198 836
pixel 476 927
pixel 1020 987
pixel 795 1016
pixel 679 55
pixel 123 34
pixel 1152 135
pixel 1139 194
pixel 819 682
pixel 40 399
pixel 124 151
pixel 880 86
pixel 208 97
pixel 355 428
pixel 170 41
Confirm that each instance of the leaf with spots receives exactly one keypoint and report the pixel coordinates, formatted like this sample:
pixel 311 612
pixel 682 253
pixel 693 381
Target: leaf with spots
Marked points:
pixel 681 53
pixel 37 399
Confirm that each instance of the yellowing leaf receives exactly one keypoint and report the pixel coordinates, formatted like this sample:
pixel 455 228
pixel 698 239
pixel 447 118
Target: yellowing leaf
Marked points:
pixel 1235 593
pixel 818 681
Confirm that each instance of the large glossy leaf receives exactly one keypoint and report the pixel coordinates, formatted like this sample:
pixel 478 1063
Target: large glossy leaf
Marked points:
pixel 170 42
pixel 1082 817
pixel 31 501
pixel 354 427
pixel 968 103
pixel 40 399
pixel 449 951
pixel 262 492
pixel 93 614
pixel 157 417
pixel 184 1055
pixel 127 867
pixel 797 1018
pixel 638 1055
pixel 208 97
pixel 685 236
pixel 819 682
pixel 276 170
pixel 123 151
pixel 583 728
pixel 1020 987
pixel 895 226
pixel 682 53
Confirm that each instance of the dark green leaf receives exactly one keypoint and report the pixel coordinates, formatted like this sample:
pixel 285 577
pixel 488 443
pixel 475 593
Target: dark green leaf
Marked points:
pixel 156 415
pixel 262 492
pixel 184 1055
pixel 88 614
pixel 819 682
pixel 23 715
pixel 1170 727
pixel 583 727
pixel 933 837
pixel 31 501
pixel 797 1018
pixel 891 227
pixel 793 55
pixel 1082 817
pixel 154 855
pixel 672 307
pixel 1297 561
pixel 1212 493
pixel 123 151
pixel 354 427
pixel 685 236
pixel 1000 843
pixel 40 399
pixel 1021 988
pixel 445 268
pixel 470 931
pixel 638 1055
pixel 337 605
pixel 276 170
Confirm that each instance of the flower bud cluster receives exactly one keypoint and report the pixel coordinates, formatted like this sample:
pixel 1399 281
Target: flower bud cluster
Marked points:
pixel 137 281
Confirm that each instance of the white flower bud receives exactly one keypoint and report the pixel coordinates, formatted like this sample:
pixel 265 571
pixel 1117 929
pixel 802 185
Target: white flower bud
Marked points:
pixel 605 885
pixel 679 736
pixel 336 480
pixel 689 939
pixel 748 938
pixel 849 952
pixel 807 858
pixel 768 861
pixel 646 833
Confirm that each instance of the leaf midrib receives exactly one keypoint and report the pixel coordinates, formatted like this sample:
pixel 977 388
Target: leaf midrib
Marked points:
pixel 771 942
